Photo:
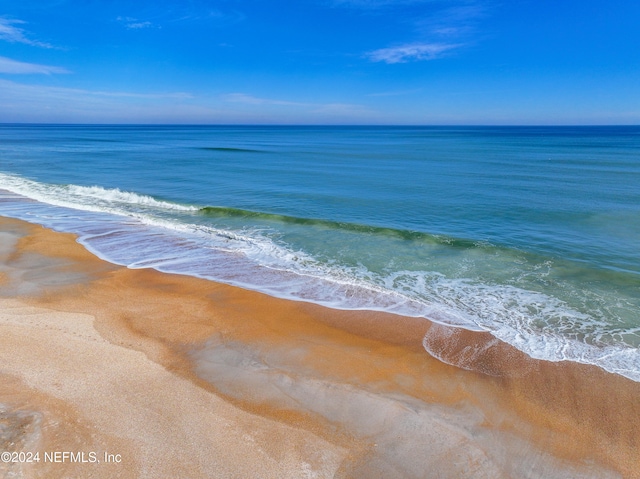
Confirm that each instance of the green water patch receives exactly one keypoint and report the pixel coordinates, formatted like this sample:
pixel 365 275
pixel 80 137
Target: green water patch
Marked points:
pixel 412 256
pixel 409 235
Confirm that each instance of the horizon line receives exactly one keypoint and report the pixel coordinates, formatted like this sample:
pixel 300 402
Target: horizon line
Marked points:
pixel 354 125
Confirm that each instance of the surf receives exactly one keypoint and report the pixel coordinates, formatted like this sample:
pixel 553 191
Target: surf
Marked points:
pixel 538 324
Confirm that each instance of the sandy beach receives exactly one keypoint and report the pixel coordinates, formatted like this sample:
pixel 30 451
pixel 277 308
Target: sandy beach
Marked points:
pixel 156 375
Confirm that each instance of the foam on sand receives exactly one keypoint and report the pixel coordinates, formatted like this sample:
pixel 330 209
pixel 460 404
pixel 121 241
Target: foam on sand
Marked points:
pixel 138 362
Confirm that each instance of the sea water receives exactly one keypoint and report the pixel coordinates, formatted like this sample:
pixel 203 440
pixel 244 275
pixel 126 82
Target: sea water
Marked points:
pixel 530 233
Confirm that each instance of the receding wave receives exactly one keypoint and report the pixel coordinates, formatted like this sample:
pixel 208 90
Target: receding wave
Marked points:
pixel 140 231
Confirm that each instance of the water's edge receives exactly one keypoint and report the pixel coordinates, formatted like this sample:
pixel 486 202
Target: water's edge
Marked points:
pixel 146 239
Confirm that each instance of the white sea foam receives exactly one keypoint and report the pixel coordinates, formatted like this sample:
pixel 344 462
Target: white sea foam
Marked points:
pixel 124 197
pixel 538 324
pixel 87 198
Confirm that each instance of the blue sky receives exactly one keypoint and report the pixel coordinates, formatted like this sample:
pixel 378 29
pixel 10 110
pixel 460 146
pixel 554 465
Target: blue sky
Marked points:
pixel 320 61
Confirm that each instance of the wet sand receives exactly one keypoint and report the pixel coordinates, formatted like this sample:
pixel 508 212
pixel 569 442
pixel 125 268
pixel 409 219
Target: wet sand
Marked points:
pixel 188 378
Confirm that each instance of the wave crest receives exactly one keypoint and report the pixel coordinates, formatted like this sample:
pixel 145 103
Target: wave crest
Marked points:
pixel 88 198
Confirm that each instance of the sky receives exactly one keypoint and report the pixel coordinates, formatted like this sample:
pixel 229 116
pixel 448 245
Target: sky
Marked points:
pixel 413 62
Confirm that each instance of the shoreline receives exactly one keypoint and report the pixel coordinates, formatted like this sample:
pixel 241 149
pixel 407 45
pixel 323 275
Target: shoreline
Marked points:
pixel 348 393
pixel 518 315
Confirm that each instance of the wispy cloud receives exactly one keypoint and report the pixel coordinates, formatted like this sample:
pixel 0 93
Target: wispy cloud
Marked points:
pixel 412 52
pixel 377 3
pixel 133 23
pixel 326 111
pixel 47 104
pixel 133 95
pixel 70 93
pixel 455 21
pixel 345 110
pixel 252 100
pixel 42 103
pixel 192 11
pixel 396 93
pixel 14 34
pixel 7 65
pixel 439 30
pixel 208 15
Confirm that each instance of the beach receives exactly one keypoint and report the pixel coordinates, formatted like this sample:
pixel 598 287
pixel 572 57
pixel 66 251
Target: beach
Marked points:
pixel 365 239
pixel 176 376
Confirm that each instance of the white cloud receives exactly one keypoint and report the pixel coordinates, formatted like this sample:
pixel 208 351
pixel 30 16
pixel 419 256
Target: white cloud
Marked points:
pixel 456 21
pixel 7 65
pixel 346 110
pixel 145 96
pixel 21 102
pixel 252 100
pixel 11 33
pixel 440 30
pixel 41 103
pixel 70 93
pixel 133 23
pixel 192 11
pixel 412 52
pixel 395 93
pixel 138 25
pixel 313 112
pixel 377 3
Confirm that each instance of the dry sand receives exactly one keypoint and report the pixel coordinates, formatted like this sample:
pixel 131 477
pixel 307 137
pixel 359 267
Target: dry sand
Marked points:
pixel 188 378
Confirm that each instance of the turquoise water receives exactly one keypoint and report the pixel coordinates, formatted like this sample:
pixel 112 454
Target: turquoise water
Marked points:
pixel 530 233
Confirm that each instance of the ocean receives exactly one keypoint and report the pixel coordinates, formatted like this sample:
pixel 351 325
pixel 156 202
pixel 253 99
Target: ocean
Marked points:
pixel 530 233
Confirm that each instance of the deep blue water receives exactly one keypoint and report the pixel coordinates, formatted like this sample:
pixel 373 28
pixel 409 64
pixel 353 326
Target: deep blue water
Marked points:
pixel 531 233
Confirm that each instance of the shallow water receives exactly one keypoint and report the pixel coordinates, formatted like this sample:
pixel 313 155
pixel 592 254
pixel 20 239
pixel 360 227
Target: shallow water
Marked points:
pixel 528 232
